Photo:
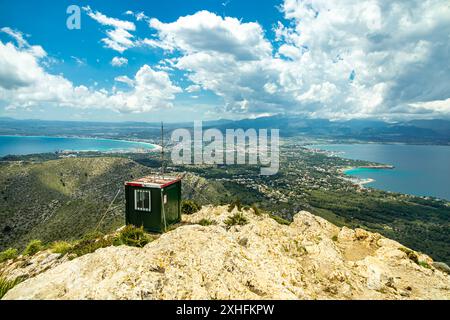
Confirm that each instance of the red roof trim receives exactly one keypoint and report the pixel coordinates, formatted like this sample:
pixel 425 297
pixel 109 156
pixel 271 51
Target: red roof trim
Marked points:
pixel 132 184
pixel 170 183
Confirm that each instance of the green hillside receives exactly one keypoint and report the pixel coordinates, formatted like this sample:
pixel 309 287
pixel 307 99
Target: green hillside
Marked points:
pixel 61 199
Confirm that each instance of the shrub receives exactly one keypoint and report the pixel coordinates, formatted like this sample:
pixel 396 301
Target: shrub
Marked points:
pixel 235 204
pixel 189 207
pixel 238 219
pixel 280 220
pixel 33 247
pixel 6 285
pixel 206 222
pixel 335 238
pixel 8 254
pixel 93 235
pixel 61 247
pixel 132 236
pixel 256 210
pixel 89 245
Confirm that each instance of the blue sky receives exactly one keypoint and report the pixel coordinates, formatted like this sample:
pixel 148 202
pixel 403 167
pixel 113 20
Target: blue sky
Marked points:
pixel 180 60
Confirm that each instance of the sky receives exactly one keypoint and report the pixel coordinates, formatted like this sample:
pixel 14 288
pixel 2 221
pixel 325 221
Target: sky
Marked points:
pixel 184 60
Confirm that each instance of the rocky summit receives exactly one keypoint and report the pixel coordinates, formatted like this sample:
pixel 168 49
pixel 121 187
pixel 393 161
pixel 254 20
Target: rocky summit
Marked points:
pixel 259 259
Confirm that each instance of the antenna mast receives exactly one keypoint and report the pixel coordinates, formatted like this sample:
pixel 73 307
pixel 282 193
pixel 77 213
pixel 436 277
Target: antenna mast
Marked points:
pixel 162 148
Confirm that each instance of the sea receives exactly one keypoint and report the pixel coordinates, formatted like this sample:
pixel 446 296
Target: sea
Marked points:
pixel 422 170
pixel 23 145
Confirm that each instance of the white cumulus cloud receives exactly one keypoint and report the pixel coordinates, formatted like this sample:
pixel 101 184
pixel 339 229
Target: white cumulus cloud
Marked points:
pixel 25 83
pixel 118 37
pixel 119 61
pixel 336 59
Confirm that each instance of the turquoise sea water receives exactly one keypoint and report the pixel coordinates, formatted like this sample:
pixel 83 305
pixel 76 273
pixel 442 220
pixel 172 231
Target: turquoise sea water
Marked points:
pixel 419 170
pixel 22 145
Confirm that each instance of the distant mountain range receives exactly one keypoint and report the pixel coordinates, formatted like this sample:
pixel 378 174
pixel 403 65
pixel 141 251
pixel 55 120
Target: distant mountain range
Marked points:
pixel 415 131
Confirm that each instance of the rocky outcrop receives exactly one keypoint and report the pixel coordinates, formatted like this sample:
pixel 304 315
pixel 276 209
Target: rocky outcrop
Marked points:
pixel 310 259
pixel 25 267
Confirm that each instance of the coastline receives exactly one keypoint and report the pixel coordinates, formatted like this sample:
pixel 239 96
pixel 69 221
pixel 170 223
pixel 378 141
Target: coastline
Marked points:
pixel 358 181
pixel 138 146
pixel 78 137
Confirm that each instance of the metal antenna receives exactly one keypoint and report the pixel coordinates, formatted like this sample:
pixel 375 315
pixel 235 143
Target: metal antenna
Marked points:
pixel 162 148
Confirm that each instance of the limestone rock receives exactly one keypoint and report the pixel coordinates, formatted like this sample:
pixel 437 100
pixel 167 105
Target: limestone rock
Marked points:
pixel 260 260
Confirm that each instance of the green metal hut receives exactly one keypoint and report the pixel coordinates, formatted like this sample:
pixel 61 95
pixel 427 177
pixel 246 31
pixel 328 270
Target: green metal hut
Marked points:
pixel 153 202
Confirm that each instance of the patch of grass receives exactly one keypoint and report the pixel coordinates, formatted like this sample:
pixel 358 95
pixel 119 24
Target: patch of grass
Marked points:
pixel 424 264
pixel 189 207
pixel 238 219
pixel 206 222
pixel 280 220
pixel 6 285
pixel 235 204
pixel 89 245
pixel 256 210
pixel 8 254
pixel 132 236
pixel 33 247
pixel 93 235
pixel 61 247
pixel 335 238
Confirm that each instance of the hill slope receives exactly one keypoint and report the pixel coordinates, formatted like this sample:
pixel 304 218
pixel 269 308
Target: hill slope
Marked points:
pixel 61 199
pixel 65 199
pixel 309 259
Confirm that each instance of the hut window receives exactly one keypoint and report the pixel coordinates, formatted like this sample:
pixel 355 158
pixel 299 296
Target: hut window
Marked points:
pixel 142 200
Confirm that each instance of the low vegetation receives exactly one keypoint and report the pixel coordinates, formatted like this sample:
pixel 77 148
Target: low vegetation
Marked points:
pixel 189 207
pixel 33 247
pixel 61 247
pixel 280 220
pixel 235 204
pixel 6 284
pixel 206 222
pixel 8 254
pixel 256 210
pixel 238 219
pixel 132 236
pixel 88 246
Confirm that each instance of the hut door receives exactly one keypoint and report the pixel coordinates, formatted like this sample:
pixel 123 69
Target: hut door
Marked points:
pixel 170 203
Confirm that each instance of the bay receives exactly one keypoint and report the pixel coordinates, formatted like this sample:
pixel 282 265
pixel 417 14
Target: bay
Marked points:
pixel 422 170
pixel 23 145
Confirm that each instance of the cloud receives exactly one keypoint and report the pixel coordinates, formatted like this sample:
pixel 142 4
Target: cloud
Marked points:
pixel 80 62
pixel 119 37
pixel 331 59
pixel 19 64
pixel 17 35
pixel 206 32
pixel 373 58
pixel 193 88
pixel 139 16
pixel 24 83
pixel 381 56
pixel 125 79
pixel 119 61
pixel 107 21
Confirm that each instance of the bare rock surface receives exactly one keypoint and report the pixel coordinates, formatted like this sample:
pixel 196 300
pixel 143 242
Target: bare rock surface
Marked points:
pixel 309 259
